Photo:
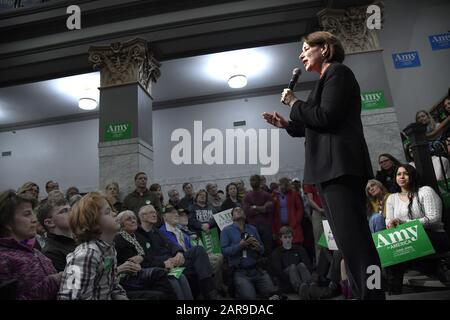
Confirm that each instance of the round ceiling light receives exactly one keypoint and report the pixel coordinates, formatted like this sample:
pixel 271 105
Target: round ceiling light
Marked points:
pixel 237 81
pixel 87 103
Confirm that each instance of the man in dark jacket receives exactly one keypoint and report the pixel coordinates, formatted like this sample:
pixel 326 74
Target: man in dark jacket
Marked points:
pixel 141 196
pixel 53 215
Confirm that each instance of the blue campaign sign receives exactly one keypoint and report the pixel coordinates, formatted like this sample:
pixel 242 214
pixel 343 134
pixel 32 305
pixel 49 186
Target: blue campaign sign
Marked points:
pixel 406 59
pixel 440 41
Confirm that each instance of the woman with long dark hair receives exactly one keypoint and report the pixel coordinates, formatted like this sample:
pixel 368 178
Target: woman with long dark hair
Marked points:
pixel 416 202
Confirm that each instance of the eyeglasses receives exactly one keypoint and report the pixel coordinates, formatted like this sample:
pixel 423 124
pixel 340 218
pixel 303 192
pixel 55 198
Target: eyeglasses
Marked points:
pixel 384 161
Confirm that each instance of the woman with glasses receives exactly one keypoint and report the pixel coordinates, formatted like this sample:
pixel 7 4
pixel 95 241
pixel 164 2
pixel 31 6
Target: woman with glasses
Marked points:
pixel 386 174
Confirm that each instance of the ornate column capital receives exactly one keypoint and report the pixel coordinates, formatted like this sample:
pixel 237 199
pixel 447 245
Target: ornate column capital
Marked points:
pixel 350 27
pixel 125 62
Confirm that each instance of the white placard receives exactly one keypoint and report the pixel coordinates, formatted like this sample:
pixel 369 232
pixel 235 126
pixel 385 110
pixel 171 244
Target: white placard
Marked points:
pixel 329 236
pixel 223 219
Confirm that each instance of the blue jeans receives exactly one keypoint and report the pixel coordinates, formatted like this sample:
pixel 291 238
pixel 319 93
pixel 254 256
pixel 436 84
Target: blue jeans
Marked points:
pixel 248 282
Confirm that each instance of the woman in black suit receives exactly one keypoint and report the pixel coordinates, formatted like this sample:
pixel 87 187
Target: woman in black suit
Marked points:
pixel 337 159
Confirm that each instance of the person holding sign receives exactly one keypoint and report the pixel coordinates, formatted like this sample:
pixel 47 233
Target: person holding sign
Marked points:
pixel 411 203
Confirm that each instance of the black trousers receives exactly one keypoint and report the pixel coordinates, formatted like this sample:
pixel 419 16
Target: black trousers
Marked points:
pixel 344 201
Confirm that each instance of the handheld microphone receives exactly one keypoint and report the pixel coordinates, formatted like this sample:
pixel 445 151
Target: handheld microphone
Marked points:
pixel 295 75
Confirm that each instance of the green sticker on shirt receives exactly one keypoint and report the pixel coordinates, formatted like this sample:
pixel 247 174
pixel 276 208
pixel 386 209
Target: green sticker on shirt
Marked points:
pixel 107 263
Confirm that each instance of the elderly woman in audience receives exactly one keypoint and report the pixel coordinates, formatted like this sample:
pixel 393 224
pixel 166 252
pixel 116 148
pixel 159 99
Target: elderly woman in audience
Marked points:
pixel 112 195
pixel 414 202
pixel 386 174
pixel 424 117
pixel 232 200
pixel 376 205
pixel 91 270
pixel 201 213
pixel 156 188
pixel 140 276
pixel 29 189
pixel 35 276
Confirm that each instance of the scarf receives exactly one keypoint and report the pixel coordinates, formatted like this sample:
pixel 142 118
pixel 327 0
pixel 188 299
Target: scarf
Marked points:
pixel 132 239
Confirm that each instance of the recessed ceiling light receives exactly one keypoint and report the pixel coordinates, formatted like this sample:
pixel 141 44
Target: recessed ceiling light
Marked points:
pixel 237 81
pixel 87 103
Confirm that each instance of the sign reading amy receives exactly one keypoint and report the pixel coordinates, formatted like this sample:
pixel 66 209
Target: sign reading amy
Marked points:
pixel 117 131
pixel 406 59
pixel 372 100
pixel 406 242
pixel 440 41
pixel 223 219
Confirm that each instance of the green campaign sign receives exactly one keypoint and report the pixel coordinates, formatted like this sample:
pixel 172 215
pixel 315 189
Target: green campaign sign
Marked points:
pixel 117 131
pixel 406 242
pixel 372 100
pixel 211 241
pixel 176 272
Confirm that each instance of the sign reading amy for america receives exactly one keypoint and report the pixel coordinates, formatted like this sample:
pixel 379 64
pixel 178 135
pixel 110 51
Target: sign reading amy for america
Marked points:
pixel 440 41
pixel 406 59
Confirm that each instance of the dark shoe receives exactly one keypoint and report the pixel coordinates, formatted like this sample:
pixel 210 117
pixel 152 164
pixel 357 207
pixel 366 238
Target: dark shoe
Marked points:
pixel 211 295
pixel 443 274
pixel 303 291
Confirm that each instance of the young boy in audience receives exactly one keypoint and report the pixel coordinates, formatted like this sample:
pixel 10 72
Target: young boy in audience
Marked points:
pixel 291 265
pixel 54 216
pixel 91 270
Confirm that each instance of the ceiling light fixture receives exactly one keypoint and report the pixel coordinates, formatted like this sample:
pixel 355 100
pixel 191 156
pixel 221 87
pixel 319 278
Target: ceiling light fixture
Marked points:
pixel 87 103
pixel 237 81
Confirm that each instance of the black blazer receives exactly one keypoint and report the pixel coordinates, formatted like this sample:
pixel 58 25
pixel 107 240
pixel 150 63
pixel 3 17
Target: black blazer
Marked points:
pixel 330 120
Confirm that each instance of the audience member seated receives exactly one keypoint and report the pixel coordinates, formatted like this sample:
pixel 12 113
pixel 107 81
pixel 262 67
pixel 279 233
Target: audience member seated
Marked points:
pixel 71 192
pixel 424 117
pixel 232 200
pixel 291 265
pixel 54 216
pixel 141 196
pixel 171 228
pixel 288 211
pixel 174 198
pixel 49 187
pixel 156 188
pixel 188 199
pixel 242 247
pixel 91 270
pixel 215 199
pixel 165 253
pixel 130 250
pixel 386 174
pixel 258 208
pixel 376 205
pixel 35 276
pixel 416 203
pixel 201 215
pixel 441 166
pixel 29 189
pixel 112 193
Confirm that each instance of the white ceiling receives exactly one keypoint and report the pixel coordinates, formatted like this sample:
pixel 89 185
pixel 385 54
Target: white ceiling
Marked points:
pixel 181 78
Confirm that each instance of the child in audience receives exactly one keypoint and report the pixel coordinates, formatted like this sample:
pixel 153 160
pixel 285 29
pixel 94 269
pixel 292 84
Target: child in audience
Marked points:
pixel 91 270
